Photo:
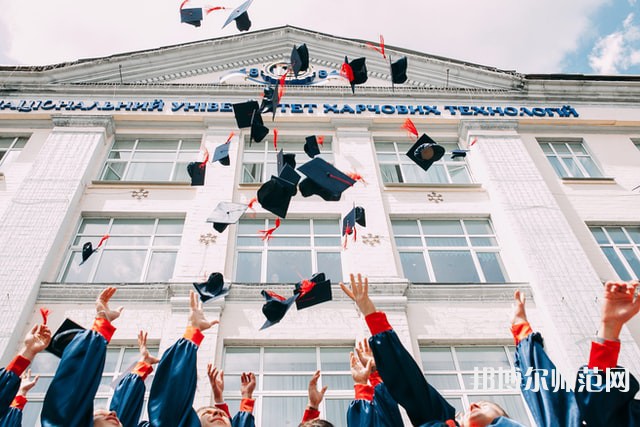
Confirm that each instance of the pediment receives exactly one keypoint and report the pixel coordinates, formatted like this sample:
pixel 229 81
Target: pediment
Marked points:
pixel 253 59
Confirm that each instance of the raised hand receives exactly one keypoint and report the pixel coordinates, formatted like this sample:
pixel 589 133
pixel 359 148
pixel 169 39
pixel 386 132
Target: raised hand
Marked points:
pixel 365 355
pixel 36 340
pixel 196 314
pixel 216 379
pixel 359 293
pixel 315 395
pixel 620 304
pixel 102 305
pixel 519 314
pixel 359 372
pixel 247 385
pixel 145 356
pixel 26 383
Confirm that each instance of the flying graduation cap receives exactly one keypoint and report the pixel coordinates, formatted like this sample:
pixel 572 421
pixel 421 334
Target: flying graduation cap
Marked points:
pixel 197 171
pixel 213 288
pixel 425 152
pixel 399 71
pixel 225 214
pixel 240 15
pixel 287 169
pixel 275 307
pixel 221 154
pixel 314 291
pixel 191 16
pixel 88 250
pixel 311 145
pixel 299 59
pixel 63 337
pixel 458 153
pixel 270 101
pixel 275 195
pixel 324 180
pixel 354 71
pixel 247 115
pixel 355 216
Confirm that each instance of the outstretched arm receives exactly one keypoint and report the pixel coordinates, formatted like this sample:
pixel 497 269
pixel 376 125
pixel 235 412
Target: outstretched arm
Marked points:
pixel 315 395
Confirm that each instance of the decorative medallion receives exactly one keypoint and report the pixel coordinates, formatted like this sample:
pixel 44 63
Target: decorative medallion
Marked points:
pixel 371 239
pixel 140 194
pixel 434 197
pixel 208 239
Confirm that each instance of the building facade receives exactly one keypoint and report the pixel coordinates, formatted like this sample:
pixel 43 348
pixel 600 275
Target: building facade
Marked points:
pixel 545 201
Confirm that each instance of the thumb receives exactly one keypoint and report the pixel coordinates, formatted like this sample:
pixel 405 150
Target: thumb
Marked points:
pixel 324 389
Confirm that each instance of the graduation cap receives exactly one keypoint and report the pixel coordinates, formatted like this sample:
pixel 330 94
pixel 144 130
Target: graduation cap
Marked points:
pixel 425 152
pixel 311 145
pixel 275 195
pixel 355 71
pixel 63 336
pixel 191 16
pixel 324 180
pixel 458 153
pixel 197 171
pixel 299 59
pixel 313 291
pixel 247 114
pixel 275 308
pixel 270 101
pixel 87 248
pixel 286 169
pixel 226 213
pixel 213 288
pixel 222 154
pixel 399 70
pixel 355 216
pixel 240 15
pixel 286 159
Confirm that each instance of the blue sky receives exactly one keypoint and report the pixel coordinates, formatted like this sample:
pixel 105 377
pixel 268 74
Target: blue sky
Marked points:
pixel 542 36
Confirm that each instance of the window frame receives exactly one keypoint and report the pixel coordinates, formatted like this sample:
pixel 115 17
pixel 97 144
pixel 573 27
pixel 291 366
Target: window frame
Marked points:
pixel 558 162
pixel 176 176
pixel 16 146
pixel 617 248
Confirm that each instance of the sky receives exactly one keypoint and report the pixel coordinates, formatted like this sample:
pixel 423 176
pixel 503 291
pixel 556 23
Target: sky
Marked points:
pixel 526 36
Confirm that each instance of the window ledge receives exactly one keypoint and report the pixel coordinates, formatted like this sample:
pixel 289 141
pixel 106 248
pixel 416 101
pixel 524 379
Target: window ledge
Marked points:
pixel 246 185
pixel 601 180
pixel 494 292
pixel 138 184
pixel 475 187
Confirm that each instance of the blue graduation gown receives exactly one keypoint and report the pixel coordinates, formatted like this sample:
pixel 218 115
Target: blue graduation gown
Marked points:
pixel 9 385
pixel 128 400
pixel 549 408
pixel 382 411
pixel 13 418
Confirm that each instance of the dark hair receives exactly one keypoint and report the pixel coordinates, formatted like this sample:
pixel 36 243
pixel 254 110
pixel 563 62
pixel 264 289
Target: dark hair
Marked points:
pixel 316 423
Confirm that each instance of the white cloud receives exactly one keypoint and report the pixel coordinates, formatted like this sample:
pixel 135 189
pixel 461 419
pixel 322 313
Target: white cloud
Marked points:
pixel 617 51
pixel 529 37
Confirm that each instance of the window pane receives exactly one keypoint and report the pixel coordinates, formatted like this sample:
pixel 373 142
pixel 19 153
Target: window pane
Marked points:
pixel 293 226
pixel 436 359
pixel 149 171
pixel 170 226
pixel 114 171
pixel 161 266
pixel 437 174
pixel 483 241
pixel 617 265
pixel 414 267
pixel 327 241
pixel 290 359
pixel 634 232
pixel 125 241
pixel 591 168
pixel 617 235
pixel 326 226
pixel 45 363
pixel 390 173
pixel 337 382
pixel 385 146
pixel 242 359
pixel 414 174
pixel 286 382
pixel 132 226
pixel 561 148
pixel 632 260
pixel 442 227
pixel 557 166
pixel 157 145
pixel 251 173
pixel 166 241
pixel 408 241
pixel 285 241
pixel 95 226
pixel 282 411
pixel 491 267
pixel 599 235
pixel 251 226
pixel 470 358
pixel 111 360
pixel 248 267
pixel 453 267
pixel 76 273
pixel 335 358
pixel 446 241
pixel 443 381
pixel 403 228
pixel 494 380
pixel 459 174
pixel 330 264
pixel 337 410
pixel 572 167
pixel 288 266
pixel 152 156
pixel 250 241
pixel 180 173
pixel 577 148
pixel 120 266
pixel 456 402
pixel 478 226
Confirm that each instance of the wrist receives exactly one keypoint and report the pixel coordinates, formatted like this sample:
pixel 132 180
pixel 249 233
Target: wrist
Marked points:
pixel 247 395
pixel 28 353
pixel 609 331
pixel 312 406
pixel 218 400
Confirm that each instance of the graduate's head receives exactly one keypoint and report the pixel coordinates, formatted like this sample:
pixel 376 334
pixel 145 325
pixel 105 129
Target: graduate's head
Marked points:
pixel 482 413
pixel 105 418
pixel 316 423
pixel 211 416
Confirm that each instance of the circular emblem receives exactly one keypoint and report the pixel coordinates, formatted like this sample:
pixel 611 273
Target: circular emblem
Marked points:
pixel 273 72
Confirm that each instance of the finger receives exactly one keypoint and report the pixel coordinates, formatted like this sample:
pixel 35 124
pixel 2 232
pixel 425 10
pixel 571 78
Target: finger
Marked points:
pixel 608 286
pixel 366 286
pixel 213 323
pixel 347 291
pixel 34 329
pixel 369 366
pixel 35 379
pixel 324 389
pixel 193 304
pixel 221 375
pixel 366 345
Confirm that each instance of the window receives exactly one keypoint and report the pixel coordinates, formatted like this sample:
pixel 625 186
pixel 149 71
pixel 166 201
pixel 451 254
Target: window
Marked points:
pixel 451 370
pixel 259 160
pixel 621 246
pixel 283 375
pixel 396 167
pixel 10 148
pixel 297 249
pixel 138 250
pixel 570 159
pixel 119 362
pixel 449 251
pixel 636 141
pixel 150 160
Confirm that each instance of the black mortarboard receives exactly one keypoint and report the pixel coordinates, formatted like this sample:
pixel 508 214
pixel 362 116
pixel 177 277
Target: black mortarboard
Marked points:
pixel 275 195
pixel 313 291
pixel 244 113
pixel 226 213
pixel 286 159
pixel 399 70
pixel 458 153
pixel 417 150
pixel 275 308
pixel 299 59
pixel 87 251
pixel 311 146
pixel 197 171
pixel 241 17
pixel 270 100
pixel 359 69
pixel 286 169
pixel 213 288
pixel 355 216
pixel 191 16
pixel 324 180
pixel 63 336
pixel 222 154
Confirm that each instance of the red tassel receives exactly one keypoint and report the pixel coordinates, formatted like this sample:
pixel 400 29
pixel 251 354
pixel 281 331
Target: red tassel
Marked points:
pixel 305 287
pixel 320 139
pixel 473 142
pixel 275 139
pixel 267 234
pixel 276 296
pixel 206 158
pixel 105 237
pixel 281 85
pixel 350 184
pixel 356 177
pixel 211 9
pixel 44 312
pixel 250 206
pixel 410 127
pixel 231 135
pixel 183 3
pixel 378 49
pixel 347 72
